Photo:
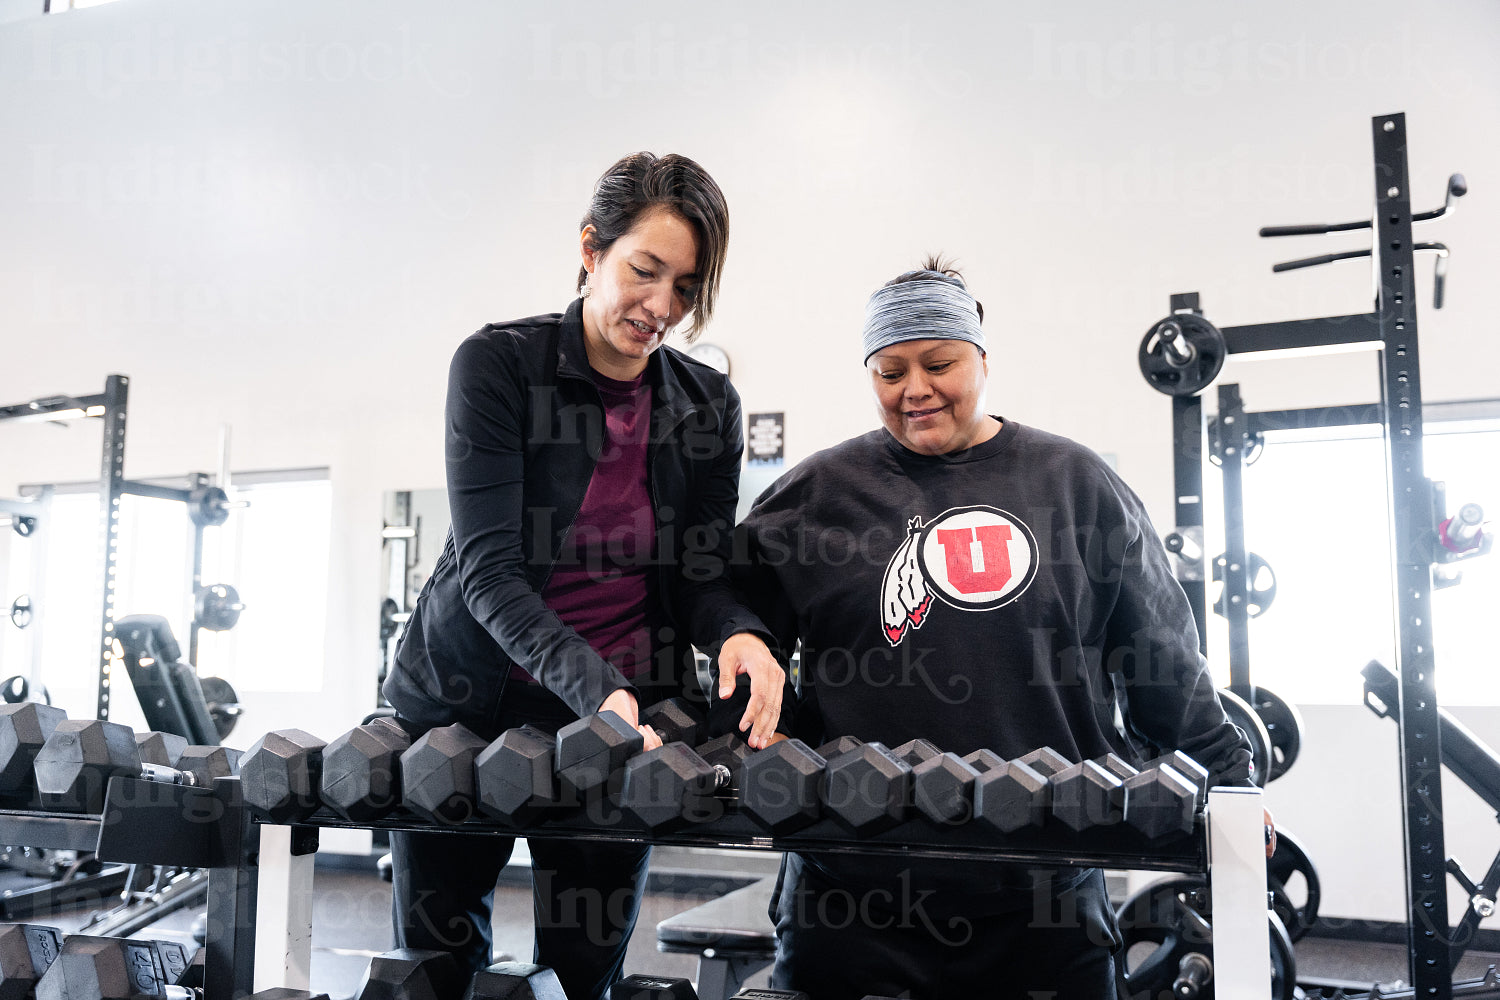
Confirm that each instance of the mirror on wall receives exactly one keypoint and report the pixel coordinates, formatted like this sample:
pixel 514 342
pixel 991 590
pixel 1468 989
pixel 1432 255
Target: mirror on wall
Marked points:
pixel 412 536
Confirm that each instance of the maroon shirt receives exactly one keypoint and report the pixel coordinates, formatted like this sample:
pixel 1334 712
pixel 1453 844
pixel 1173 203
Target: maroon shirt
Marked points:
pixel 601 584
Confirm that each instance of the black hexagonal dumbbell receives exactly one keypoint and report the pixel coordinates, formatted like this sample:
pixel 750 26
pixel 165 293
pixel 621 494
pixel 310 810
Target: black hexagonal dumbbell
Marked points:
pixel 866 789
pixel 101 968
pixel 638 987
pixel 74 766
pixel 411 974
pixel 24 729
pixel 437 774
pixel 26 952
pixel 676 720
pixel 280 775
pixel 779 787
pixel 1165 797
pixel 1091 793
pixel 671 786
pixel 515 981
pixel 588 752
pixel 1011 795
pixel 161 749
pixel 515 776
pixel 361 779
pixel 943 789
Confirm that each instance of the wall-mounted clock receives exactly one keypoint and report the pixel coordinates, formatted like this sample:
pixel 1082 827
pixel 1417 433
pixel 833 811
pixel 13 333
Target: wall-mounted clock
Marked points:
pixel 710 354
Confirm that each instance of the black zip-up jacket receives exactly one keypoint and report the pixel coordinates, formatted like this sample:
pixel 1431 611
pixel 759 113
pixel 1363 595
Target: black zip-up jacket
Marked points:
pixel 525 427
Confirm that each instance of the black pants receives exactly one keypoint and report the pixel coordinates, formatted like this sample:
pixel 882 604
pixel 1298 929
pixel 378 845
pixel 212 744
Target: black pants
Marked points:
pixel 835 943
pixel 585 896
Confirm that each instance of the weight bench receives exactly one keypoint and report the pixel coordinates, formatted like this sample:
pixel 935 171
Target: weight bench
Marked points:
pixel 731 935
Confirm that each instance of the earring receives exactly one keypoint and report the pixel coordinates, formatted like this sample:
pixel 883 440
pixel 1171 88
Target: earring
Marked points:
pixel 587 288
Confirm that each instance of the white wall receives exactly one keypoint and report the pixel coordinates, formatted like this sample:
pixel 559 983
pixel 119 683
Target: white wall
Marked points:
pixel 284 215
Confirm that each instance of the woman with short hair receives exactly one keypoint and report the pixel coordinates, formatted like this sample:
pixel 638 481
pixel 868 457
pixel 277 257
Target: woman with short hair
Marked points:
pixel 592 478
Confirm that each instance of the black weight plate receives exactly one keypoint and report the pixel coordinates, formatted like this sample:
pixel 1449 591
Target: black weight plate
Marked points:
pixel 20 611
pixel 1282 873
pixel 1208 353
pixel 1241 714
pixel 1168 920
pixel 1261 581
pixel 1283 726
pixel 223 704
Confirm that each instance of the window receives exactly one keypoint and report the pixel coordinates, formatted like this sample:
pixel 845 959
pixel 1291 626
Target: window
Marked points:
pixel 273 551
pixel 1316 510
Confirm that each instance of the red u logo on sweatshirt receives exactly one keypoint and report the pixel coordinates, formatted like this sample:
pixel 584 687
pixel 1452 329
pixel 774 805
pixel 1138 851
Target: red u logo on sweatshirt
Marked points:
pixel 972 558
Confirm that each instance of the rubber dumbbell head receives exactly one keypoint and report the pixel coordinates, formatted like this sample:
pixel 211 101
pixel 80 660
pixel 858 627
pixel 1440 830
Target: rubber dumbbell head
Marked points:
pixel 1159 801
pixel 1087 795
pixel 24 729
pixel 943 789
pixel 866 789
pixel 515 981
pixel 652 988
pixel 1194 772
pixel 100 968
pixel 593 749
pixel 779 787
pixel 208 764
pixel 915 752
pixel 727 751
pixel 676 720
pixel 671 786
pixel 515 778
pixel 437 774
pixel 161 749
pixel 411 974
pixel 280 775
pixel 27 951
pixel 361 778
pixel 74 766
pixel 1011 796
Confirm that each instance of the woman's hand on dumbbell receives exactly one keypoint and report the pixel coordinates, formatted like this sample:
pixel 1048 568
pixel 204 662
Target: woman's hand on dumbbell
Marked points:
pixel 623 703
pixel 744 653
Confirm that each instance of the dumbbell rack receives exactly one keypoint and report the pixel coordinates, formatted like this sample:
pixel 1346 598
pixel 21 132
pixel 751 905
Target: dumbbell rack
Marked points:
pixel 261 885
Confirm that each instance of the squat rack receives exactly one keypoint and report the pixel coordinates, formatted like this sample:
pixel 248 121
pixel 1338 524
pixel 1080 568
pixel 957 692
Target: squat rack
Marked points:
pixel 207 505
pixel 1415 502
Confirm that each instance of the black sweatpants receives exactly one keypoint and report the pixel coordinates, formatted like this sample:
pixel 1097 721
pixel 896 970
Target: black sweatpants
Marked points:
pixel 585 896
pixel 838 943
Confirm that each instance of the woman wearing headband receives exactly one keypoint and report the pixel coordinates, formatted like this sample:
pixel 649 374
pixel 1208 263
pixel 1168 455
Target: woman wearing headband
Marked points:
pixel 984 585
pixel 592 479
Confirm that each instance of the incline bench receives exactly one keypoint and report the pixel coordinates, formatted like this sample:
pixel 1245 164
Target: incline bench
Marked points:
pixel 731 935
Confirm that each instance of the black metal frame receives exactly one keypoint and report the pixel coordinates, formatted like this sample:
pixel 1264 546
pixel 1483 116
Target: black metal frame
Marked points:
pixel 112 405
pixel 1392 328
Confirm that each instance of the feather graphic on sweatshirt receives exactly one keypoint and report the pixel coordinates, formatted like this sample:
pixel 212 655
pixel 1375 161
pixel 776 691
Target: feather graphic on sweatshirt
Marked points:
pixel 904 598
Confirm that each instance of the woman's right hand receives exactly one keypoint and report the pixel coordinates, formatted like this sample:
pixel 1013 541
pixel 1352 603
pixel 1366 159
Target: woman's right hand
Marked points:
pixel 623 703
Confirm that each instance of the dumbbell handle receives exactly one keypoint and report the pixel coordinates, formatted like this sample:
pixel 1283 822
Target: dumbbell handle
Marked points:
pixel 167 775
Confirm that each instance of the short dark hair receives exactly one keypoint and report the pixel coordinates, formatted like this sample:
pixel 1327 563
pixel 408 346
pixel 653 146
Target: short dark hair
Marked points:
pixel 936 267
pixel 642 182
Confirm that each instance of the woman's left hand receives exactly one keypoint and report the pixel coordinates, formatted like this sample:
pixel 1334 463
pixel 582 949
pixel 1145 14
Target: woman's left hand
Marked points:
pixel 743 653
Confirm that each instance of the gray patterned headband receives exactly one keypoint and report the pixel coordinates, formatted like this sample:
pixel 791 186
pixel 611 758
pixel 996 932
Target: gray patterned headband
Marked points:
pixel 940 309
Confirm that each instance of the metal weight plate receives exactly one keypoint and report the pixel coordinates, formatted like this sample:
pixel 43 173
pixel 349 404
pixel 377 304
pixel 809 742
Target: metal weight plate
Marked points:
pixel 223 704
pixel 1166 922
pixel 217 607
pixel 1283 726
pixel 208 506
pixel 1262 581
pixel 1241 714
pixel 1291 876
pixel 20 611
pixel 1198 339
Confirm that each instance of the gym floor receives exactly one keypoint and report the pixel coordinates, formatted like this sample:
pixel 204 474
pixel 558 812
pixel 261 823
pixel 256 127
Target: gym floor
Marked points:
pixel 351 922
